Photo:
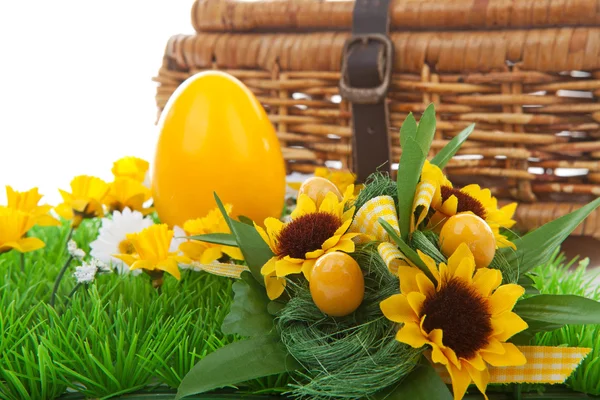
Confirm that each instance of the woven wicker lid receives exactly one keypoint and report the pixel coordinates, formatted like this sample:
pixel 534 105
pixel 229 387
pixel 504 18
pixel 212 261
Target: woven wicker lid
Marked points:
pixel 278 15
pixel 542 50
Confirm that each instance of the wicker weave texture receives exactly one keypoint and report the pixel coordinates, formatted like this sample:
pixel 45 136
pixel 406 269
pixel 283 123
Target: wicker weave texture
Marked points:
pixel 531 92
pixel 279 15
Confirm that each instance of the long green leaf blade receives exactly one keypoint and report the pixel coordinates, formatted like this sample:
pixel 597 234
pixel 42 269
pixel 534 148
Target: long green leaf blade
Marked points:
pixel 446 154
pixel 426 129
pixel 409 173
pixel 408 129
pixel 537 247
pixel 406 249
pixel 237 362
pixel 226 239
pixel 549 312
pixel 254 249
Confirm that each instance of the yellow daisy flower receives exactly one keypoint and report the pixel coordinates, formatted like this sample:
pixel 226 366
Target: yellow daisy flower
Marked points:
pixel 465 319
pixel 127 193
pixel 28 202
pixel 152 254
pixel 85 199
pixel 206 253
pixel 14 224
pixel 298 244
pixel 481 203
pixel 131 167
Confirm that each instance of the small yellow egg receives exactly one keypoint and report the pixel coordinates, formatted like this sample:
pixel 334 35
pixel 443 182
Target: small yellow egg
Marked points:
pixel 470 229
pixel 337 285
pixel 317 188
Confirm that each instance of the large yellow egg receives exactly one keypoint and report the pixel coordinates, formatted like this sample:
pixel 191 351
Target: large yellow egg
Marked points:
pixel 216 137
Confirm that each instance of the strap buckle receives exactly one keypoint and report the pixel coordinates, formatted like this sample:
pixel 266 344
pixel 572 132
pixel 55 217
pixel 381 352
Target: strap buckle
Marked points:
pixel 370 95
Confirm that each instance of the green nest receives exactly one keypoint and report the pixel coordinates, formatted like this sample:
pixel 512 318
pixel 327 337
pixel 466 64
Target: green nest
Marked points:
pixel 351 356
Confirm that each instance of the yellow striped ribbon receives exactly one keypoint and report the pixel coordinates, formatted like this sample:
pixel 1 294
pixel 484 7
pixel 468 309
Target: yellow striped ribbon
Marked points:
pixel 221 269
pixel 544 365
pixel 366 221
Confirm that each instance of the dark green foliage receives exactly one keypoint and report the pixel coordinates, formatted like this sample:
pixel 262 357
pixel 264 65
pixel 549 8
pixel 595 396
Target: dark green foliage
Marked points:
pixel 378 184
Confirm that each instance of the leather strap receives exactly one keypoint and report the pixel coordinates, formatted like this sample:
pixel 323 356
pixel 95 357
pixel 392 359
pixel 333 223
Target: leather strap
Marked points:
pixel 366 72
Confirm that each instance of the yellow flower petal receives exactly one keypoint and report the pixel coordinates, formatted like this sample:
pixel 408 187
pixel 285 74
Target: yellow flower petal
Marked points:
pixel 460 381
pixel 460 255
pixel 416 299
pixel 465 270
pixel 141 264
pixel 286 267
pixel 29 244
pixel 449 206
pixel 512 356
pixel 408 278
pixel 486 280
pixel 274 285
pixel 233 252
pixel 269 267
pixel 345 245
pixel 476 362
pixel 307 268
pixel 504 298
pixel 411 334
pixel 396 308
pixel 507 324
pixel 126 258
pixel 430 263
pixel 314 254
pixel 193 249
pixel 342 229
pixel 170 265
pixel 481 377
pixel 211 254
pixel 304 205
pixel 437 346
pixel 331 242
pixel 425 285
pixel 494 346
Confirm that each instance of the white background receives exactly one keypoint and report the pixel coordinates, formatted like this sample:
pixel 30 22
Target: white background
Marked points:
pixel 76 90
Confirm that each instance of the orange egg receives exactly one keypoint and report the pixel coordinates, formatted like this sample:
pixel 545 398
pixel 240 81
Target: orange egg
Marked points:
pixel 470 229
pixel 317 188
pixel 337 285
pixel 216 137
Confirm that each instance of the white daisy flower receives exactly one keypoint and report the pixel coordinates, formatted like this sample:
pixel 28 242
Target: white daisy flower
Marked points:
pixel 112 238
pixel 85 273
pixel 75 251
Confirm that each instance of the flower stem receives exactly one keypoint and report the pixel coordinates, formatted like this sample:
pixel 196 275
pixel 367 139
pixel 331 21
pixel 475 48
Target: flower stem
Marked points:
pixel 74 290
pixel 58 279
pixel 23 262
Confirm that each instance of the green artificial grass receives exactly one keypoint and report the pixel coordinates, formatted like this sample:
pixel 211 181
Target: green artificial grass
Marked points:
pixel 112 337
pixel 562 277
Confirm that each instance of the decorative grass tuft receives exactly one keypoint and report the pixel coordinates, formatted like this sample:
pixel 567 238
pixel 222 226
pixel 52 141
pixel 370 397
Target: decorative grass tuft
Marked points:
pixel 349 356
pixel 562 277
pixel 378 184
pixel 113 337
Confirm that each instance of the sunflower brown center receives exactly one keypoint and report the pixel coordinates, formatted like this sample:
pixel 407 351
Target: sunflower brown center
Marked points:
pixel 463 316
pixel 306 233
pixel 126 247
pixel 465 201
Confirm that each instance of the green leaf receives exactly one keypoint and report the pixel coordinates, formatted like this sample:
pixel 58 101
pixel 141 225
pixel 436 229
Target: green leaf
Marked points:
pixel 548 312
pixel 529 284
pixel 254 249
pixel 237 362
pixel 537 247
pixel 248 315
pixel 226 239
pixel 406 249
pixel 408 129
pixel 423 383
pixel 426 129
pixel 246 220
pixel 449 150
pixel 409 173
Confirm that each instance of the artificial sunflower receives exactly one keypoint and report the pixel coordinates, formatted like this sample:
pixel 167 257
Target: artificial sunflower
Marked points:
pixel 127 193
pixel 131 167
pixel 310 233
pixel 206 253
pixel 14 225
pixel 481 203
pixel 152 253
pixel 85 199
pixel 29 202
pixel 465 319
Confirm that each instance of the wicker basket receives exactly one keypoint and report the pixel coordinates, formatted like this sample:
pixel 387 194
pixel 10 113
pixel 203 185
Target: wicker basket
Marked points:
pixel 526 72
